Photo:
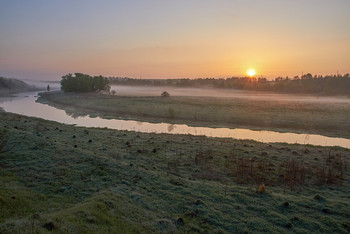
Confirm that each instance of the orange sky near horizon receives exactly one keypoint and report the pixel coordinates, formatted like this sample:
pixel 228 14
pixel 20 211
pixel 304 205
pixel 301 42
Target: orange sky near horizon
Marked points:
pixel 174 39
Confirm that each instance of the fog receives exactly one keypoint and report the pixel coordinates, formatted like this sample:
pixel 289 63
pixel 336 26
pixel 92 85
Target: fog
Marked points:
pixel 222 93
pixel 54 85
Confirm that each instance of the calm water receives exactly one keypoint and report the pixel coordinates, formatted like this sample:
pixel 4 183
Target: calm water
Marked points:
pixel 25 104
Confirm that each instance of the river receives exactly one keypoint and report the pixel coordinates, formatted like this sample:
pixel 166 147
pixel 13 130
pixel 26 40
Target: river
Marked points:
pixel 25 104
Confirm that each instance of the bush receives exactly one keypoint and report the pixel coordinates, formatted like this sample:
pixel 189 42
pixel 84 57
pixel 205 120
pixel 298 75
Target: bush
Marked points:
pixel 261 188
pixel 84 83
pixel 165 94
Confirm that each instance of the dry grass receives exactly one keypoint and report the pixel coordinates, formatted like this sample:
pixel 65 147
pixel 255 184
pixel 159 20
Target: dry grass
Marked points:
pixel 128 181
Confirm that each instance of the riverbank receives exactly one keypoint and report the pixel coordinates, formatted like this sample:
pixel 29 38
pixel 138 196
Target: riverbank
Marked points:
pixel 74 179
pixel 329 119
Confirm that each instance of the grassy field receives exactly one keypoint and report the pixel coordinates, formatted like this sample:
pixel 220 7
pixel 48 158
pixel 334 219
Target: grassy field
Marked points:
pixel 330 119
pixel 64 178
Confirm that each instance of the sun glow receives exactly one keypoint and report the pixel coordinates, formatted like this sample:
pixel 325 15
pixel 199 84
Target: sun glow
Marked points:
pixel 251 72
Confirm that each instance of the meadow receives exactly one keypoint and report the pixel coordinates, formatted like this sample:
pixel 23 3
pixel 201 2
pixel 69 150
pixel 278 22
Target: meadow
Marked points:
pixel 329 118
pixel 63 178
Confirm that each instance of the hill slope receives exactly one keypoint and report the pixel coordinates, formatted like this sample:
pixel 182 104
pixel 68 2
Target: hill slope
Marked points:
pixel 10 85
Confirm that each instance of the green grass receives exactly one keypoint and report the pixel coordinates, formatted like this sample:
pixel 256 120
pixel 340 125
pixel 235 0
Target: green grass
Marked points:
pixel 128 182
pixel 330 119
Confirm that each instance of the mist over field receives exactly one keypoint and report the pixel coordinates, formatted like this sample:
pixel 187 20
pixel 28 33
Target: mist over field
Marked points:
pixel 222 93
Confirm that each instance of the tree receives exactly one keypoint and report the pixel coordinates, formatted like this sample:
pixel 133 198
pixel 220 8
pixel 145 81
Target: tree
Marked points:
pixel 84 83
pixel 307 76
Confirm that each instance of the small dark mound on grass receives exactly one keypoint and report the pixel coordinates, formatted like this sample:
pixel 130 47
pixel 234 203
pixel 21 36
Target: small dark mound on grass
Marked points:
pixel 326 210
pixel 180 222
pixel 198 202
pixel 91 220
pixel 191 214
pixel 286 205
pixel 206 221
pixel 109 204
pixel 319 198
pixel 176 182
pixel 346 226
pixel 288 226
pixel 166 226
pixel 49 226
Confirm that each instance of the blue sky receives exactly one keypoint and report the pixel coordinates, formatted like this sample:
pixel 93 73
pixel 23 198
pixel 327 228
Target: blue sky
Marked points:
pixel 171 39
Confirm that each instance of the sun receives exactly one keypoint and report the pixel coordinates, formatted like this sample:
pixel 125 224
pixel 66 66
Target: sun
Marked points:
pixel 251 72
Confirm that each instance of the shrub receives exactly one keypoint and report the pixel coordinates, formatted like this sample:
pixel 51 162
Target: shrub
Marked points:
pixel 261 188
pixel 165 94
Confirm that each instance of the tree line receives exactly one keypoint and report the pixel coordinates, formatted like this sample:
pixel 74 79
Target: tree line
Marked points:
pixel 306 84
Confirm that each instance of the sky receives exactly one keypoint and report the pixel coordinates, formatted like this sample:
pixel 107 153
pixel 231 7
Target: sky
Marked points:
pixel 44 40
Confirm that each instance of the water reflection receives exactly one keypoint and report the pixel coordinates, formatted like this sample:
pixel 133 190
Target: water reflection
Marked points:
pixel 75 115
pixel 28 106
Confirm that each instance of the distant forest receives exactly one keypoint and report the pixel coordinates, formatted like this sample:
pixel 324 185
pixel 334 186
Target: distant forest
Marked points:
pixel 306 84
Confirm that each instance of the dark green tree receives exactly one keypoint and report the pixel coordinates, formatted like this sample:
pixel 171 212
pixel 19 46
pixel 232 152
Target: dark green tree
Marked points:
pixel 84 83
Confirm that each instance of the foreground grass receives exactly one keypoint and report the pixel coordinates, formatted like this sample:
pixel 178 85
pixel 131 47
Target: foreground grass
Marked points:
pixel 63 178
pixel 330 119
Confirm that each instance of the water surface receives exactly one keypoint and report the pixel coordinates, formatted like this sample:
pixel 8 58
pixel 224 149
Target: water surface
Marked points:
pixel 25 104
